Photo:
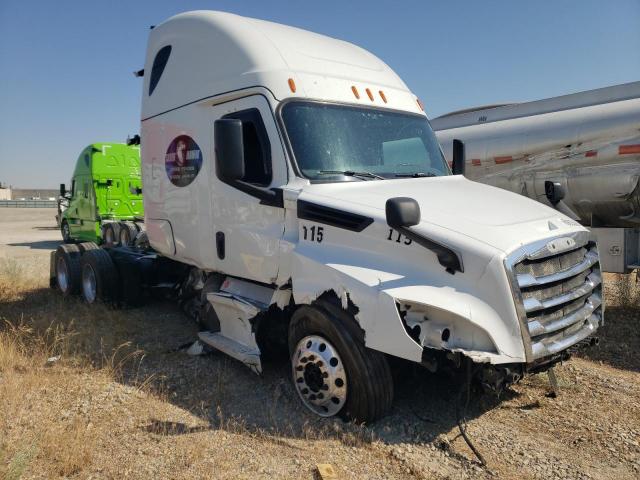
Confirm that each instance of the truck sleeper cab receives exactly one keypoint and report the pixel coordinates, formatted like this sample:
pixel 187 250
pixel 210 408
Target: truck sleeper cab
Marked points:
pixel 294 183
pixel 105 198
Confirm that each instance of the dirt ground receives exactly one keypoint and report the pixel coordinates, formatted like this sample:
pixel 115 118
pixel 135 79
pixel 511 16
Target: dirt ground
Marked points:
pixel 103 393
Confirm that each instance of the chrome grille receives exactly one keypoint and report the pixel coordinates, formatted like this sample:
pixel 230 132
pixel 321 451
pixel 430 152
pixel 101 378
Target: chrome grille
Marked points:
pixel 558 289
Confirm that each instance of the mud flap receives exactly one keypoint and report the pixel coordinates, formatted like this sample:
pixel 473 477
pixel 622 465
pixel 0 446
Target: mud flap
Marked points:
pixel 53 283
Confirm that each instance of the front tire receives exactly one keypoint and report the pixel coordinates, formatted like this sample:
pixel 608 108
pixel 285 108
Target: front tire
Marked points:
pixel 333 372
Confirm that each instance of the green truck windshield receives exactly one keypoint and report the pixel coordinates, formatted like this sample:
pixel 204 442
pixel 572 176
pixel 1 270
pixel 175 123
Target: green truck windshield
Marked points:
pixel 328 140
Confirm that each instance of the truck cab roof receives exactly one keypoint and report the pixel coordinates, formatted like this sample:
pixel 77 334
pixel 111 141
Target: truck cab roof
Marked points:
pixel 104 159
pixel 198 55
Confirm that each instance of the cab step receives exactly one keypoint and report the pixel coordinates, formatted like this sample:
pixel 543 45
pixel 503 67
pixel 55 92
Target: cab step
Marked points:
pixel 247 355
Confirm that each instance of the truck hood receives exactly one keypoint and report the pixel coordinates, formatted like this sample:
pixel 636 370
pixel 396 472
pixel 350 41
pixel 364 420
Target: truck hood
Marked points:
pixel 496 217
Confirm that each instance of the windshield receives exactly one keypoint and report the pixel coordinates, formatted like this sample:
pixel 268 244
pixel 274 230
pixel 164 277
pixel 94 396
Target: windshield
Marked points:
pixel 338 140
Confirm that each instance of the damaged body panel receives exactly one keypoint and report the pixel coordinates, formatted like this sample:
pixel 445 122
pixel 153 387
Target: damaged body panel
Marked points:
pixel 393 281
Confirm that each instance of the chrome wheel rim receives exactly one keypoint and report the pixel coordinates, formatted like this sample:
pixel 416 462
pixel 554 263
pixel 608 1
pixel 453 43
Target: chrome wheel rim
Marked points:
pixel 62 275
pixel 89 288
pixel 66 234
pixel 108 236
pixel 319 376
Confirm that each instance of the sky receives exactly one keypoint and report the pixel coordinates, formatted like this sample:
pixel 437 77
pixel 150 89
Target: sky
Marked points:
pixel 66 66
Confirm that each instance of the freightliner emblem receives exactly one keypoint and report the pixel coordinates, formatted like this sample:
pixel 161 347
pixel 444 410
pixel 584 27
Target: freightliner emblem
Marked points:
pixel 561 244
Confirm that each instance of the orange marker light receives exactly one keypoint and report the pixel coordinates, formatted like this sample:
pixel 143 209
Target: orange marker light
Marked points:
pixel 383 96
pixel 292 85
pixel 420 104
pixel 369 94
pixel 355 92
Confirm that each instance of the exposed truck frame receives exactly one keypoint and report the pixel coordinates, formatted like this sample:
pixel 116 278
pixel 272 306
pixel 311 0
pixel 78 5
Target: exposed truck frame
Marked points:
pixel 584 148
pixel 295 194
pixel 104 202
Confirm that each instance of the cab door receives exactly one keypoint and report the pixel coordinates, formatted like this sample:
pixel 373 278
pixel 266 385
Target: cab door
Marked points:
pixel 248 230
pixel 85 208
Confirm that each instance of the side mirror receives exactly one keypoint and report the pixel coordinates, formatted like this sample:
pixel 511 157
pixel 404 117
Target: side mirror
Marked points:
pixel 229 147
pixel 63 190
pixel 402 212
pixel 458 157
pixel 554 191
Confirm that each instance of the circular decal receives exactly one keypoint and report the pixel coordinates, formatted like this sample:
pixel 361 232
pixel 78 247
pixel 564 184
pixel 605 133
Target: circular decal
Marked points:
pixel 183 160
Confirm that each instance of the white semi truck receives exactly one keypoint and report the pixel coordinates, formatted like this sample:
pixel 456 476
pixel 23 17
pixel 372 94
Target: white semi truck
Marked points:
pixel 579 153
pixel 295 193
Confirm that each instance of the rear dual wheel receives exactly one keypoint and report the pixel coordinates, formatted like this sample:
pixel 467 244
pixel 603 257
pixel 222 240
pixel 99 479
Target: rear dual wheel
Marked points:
pixel 68 270
pixel 128 233
pixel 333 372
pixel 86 269
pixel 111 233
pixel 99 277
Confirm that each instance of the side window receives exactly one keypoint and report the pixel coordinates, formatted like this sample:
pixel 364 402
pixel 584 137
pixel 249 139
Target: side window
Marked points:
pixel 73 188
pixel 162 57
pixel 257 149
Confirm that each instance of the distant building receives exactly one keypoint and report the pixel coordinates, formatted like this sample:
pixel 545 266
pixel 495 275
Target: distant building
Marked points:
pixel 5 192
pixel 33 193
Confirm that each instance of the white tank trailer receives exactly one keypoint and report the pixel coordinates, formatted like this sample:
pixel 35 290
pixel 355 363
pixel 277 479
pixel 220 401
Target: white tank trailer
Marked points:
pixel 579 153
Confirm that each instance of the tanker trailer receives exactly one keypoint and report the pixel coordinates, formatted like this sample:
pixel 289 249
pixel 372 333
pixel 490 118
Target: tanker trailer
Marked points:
pixel 579 153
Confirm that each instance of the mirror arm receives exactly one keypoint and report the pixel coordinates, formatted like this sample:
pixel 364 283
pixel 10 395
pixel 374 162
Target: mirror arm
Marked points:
pixel 448 258
pixel 272 197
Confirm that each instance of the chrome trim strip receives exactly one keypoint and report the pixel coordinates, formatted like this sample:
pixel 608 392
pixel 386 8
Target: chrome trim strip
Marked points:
pixel 539 349
pixel 533 304
pixel 537 328
pixel 528 280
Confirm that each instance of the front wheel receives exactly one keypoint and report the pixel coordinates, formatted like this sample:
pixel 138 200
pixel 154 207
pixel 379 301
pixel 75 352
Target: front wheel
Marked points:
pixel 66 232
pixel 333 372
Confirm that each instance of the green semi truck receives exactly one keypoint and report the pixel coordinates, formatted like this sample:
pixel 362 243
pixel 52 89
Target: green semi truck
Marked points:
pixel 104 203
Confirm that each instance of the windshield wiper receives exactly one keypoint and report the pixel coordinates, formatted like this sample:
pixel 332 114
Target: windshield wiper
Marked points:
pixel 416 175
pixel 351 173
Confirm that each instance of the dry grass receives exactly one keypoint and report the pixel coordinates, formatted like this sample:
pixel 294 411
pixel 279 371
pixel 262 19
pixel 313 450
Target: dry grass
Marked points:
pixel 628 290
pixel 119 403
pixel 42 363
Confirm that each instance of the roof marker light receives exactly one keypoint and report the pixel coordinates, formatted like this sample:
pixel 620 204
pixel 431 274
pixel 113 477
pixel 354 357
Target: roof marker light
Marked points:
pixel 475 162
pixel 383 96
pixel 591 153
pixel 292 85
pixel 355 92
pixel 420 104
pixel 369 94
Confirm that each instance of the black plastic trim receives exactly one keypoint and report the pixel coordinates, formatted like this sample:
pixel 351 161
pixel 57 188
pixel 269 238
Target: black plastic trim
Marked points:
pixel 208 97
pixel 332 216
pixel 220 244
pixel 447 257
pixel 159 63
